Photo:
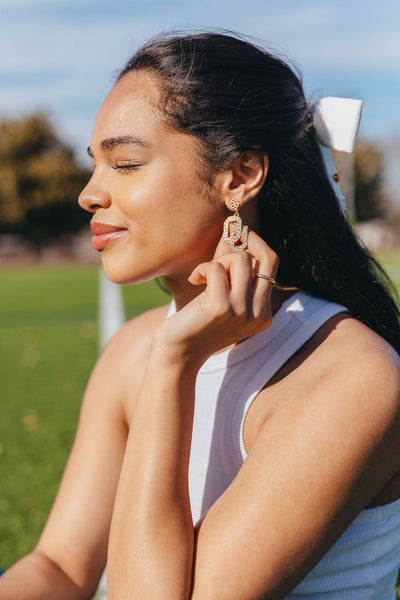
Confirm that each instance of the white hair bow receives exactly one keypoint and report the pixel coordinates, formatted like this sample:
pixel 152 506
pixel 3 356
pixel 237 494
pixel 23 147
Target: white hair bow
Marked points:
pixel 336 122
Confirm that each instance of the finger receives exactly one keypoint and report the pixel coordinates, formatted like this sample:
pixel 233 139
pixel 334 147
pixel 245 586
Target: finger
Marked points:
pixel 215 299
pixel 222 248
pixel 266 263
pixel 257 247
pixel 238 267
pixel 265 259
pixel 241 270
pixel 214 275
pixel 197 275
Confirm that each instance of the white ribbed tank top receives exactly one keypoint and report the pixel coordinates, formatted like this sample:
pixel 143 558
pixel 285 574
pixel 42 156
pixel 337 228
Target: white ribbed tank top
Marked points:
pixel 363 563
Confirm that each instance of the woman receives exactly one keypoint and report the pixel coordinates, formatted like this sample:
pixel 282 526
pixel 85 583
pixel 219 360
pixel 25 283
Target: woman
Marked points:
pixel 266 415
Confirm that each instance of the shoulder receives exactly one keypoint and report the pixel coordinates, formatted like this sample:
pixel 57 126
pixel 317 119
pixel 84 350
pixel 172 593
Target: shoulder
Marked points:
pixel 359 378
pixel 353 355
pixel 134 337
pixel 131 344
pixel 344 373
pixel 351 365
pixel 347 354
pixel 118 373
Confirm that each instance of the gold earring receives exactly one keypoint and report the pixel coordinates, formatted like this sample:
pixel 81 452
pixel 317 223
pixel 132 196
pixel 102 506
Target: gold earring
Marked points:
pixel 234 232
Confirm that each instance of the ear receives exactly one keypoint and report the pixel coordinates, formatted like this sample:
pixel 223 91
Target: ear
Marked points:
pixel 246 177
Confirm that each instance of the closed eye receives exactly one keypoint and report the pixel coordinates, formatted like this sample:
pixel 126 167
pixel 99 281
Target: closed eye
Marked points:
pixel 126 168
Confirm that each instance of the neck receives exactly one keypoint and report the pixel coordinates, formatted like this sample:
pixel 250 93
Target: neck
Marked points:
pixel 182 291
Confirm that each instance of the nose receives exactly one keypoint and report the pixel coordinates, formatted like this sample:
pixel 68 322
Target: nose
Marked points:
pixel 93 197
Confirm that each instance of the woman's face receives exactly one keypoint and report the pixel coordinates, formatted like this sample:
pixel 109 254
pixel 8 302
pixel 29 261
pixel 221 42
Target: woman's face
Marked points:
pixel 152 215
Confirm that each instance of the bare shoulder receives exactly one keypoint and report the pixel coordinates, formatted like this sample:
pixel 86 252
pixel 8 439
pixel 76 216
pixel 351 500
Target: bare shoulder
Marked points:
pixel 354 355
pixel 118 373
pixel 135 335
pixel 347 353
pixel 359 380
pixel 345 371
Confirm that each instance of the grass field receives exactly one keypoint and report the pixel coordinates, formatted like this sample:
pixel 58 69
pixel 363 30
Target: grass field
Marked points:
pixel 391 262
pixel 48 345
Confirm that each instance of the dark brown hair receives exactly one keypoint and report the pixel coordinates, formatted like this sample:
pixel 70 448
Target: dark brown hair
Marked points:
pixel 234 96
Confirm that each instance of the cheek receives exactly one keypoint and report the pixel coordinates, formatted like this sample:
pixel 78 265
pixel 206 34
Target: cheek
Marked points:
pixel 166 203
pixel 133 197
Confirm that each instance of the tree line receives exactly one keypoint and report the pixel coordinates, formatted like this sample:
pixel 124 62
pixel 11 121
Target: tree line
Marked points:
pixel 40 180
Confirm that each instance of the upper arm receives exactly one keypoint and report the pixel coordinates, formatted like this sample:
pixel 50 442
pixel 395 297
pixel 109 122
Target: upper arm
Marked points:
pixel 76 534
pixel 314 465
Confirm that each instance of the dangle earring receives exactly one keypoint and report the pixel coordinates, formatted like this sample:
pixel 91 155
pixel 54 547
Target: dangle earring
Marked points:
pixel 233 230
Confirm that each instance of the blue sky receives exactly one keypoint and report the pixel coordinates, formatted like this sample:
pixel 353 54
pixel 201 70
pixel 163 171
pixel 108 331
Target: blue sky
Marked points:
pixel 61 55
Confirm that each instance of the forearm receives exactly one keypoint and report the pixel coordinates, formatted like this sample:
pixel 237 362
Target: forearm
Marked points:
pixel 152 536
pixel 36 577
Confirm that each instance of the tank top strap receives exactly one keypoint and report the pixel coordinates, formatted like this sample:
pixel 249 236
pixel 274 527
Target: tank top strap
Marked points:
pixel 307 315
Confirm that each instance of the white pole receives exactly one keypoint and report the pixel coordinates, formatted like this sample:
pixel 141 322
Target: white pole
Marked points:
pixel 111 318
pixel 111 309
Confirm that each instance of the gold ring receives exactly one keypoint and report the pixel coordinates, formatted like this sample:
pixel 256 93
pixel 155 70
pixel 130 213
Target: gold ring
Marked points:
pixel 261 276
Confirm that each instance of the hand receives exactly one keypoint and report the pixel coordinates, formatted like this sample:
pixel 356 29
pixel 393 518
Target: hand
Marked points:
pixel 233 306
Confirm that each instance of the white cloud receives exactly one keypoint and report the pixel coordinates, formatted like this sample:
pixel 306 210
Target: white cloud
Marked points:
pixel 7 4
pixel 322 34
pixel 376 50
pixel 51 58
pixel 314 34
pixel 71 46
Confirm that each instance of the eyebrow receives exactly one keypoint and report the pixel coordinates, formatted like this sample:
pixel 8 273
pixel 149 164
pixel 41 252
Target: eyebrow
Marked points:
pixel 110 143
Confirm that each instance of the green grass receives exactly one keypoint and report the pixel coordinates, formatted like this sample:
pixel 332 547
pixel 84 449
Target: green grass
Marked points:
pixel 391 262
pixel 48 345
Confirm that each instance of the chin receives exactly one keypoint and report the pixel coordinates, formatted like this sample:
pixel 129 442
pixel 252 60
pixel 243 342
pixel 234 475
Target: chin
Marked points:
pixel 122 274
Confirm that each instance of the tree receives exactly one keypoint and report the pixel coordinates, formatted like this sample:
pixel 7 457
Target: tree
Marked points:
pixel 40 180
pixel 370 199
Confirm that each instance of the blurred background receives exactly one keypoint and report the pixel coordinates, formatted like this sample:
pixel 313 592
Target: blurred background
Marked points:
pixel 58 59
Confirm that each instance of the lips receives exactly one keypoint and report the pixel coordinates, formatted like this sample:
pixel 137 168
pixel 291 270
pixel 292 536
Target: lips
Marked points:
pixel 104 234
